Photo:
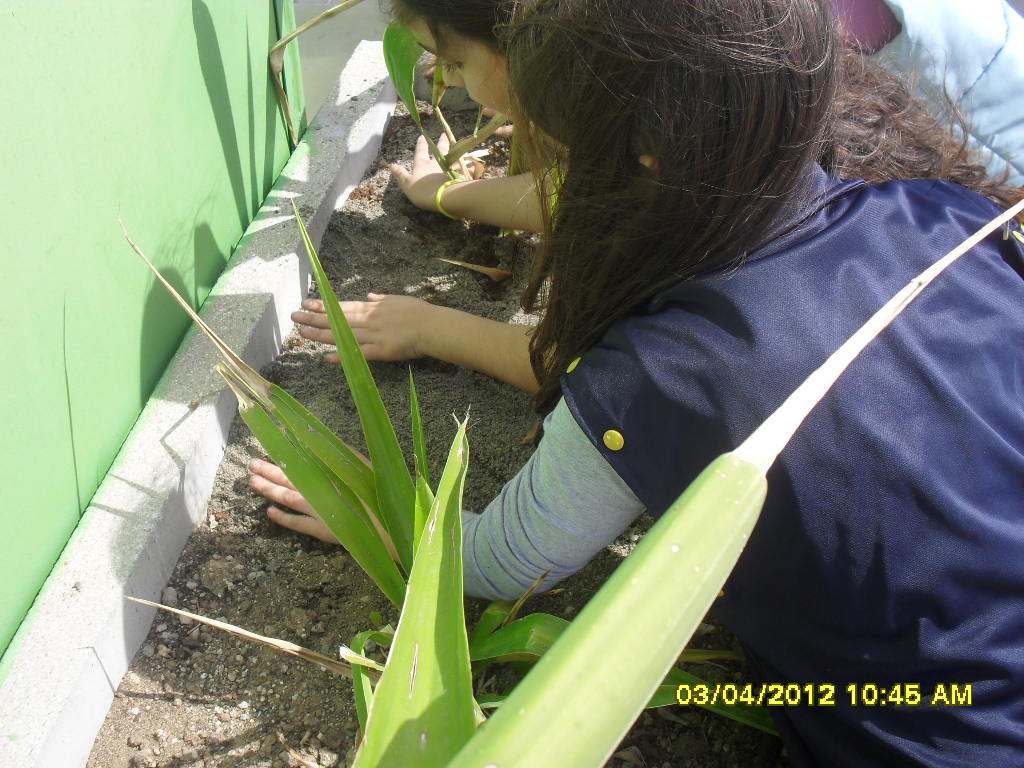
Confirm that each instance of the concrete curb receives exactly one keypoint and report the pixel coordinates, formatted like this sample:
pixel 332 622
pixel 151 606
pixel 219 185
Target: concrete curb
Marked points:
pixel 81 635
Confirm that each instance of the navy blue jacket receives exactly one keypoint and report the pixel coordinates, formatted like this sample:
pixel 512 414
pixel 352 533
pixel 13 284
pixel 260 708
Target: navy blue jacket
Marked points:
pixel 891 546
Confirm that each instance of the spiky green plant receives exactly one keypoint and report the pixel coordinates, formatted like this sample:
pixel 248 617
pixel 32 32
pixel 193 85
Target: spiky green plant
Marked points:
pixel 366 509
pixel 374 509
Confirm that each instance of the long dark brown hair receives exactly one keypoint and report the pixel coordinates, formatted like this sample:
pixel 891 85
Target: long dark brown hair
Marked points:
pixel 732 100
pixel 475 19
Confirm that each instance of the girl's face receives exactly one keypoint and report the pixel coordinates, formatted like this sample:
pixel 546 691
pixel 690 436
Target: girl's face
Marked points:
pixel 470 64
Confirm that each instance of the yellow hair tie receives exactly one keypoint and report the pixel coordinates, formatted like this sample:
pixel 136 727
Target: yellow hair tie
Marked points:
pixel 440 194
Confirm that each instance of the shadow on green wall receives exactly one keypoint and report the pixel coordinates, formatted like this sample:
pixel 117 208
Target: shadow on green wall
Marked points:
pixel 158 311
pixel 249 180
pixel 212 64
pixel 248 190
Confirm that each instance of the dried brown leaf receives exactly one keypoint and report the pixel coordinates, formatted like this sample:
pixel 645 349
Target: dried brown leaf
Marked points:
pixel 305 761
pixel 284 646
pixel 497 275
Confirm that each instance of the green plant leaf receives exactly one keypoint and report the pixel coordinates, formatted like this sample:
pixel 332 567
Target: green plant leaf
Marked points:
pixel 490 700
pixel 525 639
pixel 401 55
pixel 394 485
pixel 424 502
pixel 754 716
pixel 339 512
pixel 419 436
pixel 492 618
pixel 362 682
pixel 342 461
pixel 321 453
pixel 530 637
pixel 327 490
pixel 424 496
pixel 479 136
pixel 439 87
pixel 423 708
pixel 343 466
pixel 625 640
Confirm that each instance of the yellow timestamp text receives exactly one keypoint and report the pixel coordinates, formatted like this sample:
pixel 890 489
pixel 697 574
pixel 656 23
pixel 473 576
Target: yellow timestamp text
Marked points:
pixel 823 695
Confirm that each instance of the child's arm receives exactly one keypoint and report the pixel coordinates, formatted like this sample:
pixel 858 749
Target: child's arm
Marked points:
pixel 559 510
pixel 501 350
pixel 510 202
pixel 404 327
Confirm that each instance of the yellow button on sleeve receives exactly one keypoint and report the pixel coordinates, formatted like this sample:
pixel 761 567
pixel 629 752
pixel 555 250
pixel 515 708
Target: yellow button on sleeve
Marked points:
pixel 614 440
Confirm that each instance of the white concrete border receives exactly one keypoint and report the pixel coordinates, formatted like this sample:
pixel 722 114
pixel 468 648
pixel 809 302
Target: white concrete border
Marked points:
pixel 80 636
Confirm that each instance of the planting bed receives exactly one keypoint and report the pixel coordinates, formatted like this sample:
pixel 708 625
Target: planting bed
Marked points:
pixel 198 697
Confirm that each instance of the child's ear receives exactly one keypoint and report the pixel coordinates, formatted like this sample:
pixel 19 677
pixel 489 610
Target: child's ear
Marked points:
pixel 648 162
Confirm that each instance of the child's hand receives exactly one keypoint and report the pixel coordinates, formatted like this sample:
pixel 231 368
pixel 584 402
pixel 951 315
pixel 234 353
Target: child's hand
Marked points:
pixel 421 184
pixel 270 481
pixel 386 327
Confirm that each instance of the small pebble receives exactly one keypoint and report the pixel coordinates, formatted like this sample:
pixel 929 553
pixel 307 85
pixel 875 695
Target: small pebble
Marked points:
pixel 170 597
pixel 332 737
pixel 192 640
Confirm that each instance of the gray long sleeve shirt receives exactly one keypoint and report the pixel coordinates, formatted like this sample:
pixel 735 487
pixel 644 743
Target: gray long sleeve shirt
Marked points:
pixel 560 509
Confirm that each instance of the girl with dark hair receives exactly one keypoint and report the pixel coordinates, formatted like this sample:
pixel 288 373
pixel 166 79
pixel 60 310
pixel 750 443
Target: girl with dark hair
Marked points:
pixel 736 196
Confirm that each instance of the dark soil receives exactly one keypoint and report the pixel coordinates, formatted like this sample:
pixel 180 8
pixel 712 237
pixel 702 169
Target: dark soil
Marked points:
pixel 195 696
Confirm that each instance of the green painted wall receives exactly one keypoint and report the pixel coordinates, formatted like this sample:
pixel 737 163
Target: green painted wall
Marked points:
pixel 162 110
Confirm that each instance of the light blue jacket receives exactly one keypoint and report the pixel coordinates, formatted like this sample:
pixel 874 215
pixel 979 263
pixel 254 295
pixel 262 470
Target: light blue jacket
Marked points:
pixel 972 52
